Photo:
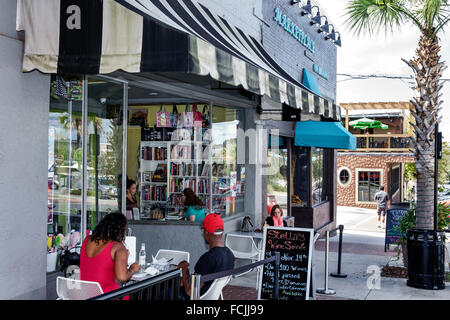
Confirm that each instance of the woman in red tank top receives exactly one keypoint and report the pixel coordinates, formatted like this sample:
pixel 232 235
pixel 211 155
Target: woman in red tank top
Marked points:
pixel 103 257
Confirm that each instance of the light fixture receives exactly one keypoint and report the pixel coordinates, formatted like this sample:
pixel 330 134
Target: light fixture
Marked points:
pixel 338 41
pixel 307 8
pixel 331 35
pixel 325 27
pixel 316 19
pixel 295 2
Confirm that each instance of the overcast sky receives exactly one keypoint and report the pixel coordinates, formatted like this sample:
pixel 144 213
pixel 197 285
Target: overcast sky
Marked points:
pixel 381 54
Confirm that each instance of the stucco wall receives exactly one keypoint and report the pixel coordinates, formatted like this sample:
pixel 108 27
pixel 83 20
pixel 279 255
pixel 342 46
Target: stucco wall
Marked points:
pixel 347 195
pixel 23 168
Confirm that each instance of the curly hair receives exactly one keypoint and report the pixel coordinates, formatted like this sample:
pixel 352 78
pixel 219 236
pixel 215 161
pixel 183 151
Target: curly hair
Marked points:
pixel 191 198
pixel 111 228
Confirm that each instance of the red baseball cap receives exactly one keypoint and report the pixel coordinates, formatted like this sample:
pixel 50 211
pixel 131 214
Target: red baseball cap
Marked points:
pixel 212 223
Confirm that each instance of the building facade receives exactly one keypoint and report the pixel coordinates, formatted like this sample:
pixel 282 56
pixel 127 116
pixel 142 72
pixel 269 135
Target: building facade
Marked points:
pixel 78 117
pixel 380 157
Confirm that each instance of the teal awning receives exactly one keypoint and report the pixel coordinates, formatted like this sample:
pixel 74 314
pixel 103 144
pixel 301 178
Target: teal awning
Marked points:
pixel 323 135
pixel 310 81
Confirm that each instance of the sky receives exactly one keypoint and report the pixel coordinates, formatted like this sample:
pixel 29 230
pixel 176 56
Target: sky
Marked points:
pixel 381 54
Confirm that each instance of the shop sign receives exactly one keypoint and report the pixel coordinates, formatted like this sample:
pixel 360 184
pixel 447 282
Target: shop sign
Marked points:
pixel 293 30
pixel 320 71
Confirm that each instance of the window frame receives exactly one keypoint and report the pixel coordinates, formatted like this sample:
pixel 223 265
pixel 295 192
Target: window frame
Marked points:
pixel 357 172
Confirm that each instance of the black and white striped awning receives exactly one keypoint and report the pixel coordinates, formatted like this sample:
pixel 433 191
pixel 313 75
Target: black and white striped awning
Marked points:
pixel 102 36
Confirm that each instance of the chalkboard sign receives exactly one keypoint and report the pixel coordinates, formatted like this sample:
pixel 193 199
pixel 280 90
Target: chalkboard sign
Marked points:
pixel 295 246
pixel 392 222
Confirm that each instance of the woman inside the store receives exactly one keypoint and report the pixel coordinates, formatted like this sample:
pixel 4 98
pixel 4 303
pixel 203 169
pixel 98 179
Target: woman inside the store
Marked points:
pixel 193 206
pixel 131 195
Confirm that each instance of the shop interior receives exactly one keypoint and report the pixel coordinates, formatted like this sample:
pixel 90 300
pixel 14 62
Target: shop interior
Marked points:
pixel 172 143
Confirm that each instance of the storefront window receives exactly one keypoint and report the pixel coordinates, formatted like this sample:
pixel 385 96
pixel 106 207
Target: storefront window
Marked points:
pixel 277 182
pixel 228 176
pixel 301 177
pixel 65 155
pixel 318 175
pixel 104 149
pixel 368 185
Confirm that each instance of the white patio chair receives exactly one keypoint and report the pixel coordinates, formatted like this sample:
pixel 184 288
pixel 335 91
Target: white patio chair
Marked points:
pixel 176 256
pixel 72 289
pixel 244 247
pixel 215 290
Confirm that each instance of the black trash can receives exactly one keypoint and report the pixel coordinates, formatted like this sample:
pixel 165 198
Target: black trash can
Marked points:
pixel 426 259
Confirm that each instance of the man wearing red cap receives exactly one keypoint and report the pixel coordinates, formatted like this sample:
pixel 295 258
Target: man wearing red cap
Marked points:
pixel 218 258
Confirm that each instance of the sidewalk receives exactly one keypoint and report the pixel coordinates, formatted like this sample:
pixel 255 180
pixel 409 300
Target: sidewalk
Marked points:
pixel 363 257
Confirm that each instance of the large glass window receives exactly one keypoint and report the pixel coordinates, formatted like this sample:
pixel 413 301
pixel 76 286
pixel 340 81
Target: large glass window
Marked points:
pixel 277 180
pixel 104 149
pixel 228 174
pixel 65 155
pixel 368 185
pixel 319 177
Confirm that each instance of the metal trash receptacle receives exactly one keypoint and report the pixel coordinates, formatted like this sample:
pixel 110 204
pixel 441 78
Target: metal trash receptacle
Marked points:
pixel 426 259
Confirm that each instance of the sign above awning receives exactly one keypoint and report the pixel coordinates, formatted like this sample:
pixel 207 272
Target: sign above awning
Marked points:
pixel 323 135
pixel 102 36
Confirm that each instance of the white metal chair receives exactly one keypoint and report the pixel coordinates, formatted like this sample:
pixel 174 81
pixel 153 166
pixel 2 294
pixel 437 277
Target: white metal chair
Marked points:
pixel 244 247
pixel 72 289
pixel 176 256
pixel 215 290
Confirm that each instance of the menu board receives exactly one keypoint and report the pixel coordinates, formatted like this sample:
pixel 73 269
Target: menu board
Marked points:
pixel 392 222
pixel 295 246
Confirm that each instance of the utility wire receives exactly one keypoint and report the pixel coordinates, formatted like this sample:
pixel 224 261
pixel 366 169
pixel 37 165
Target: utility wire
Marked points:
pixel 371 76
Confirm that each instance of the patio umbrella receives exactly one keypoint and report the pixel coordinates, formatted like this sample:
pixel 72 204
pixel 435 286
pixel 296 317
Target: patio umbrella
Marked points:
pixel 365 123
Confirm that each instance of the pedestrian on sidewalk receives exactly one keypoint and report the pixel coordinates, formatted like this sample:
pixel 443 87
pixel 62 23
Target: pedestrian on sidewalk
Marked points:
pixel 383 203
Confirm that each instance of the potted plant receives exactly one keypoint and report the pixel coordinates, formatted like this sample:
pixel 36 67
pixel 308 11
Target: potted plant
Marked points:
pixel 408 221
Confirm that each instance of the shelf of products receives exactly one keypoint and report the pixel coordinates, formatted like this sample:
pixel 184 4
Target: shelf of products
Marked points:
pixel 168 167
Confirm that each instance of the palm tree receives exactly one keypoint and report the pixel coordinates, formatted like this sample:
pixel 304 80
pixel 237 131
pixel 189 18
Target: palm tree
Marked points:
pixel 430 17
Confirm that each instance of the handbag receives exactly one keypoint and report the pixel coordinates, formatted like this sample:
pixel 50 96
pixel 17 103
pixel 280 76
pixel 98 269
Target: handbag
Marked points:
pixel 247 225
pixel 205 117
pixel 162 118
pixel 197 117
pixel 176 120
pixel 188 118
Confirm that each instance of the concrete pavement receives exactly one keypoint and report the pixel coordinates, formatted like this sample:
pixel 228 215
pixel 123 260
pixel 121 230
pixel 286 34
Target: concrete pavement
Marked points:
pixel 363 257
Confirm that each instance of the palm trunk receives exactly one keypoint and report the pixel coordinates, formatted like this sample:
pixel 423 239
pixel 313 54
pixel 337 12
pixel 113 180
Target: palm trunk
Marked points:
pixel 428 71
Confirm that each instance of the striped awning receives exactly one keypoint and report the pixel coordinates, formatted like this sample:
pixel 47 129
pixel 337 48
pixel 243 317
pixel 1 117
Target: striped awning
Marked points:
pixel 102 36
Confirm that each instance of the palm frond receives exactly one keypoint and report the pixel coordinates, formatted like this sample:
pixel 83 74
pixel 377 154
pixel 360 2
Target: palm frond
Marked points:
pixel 373 15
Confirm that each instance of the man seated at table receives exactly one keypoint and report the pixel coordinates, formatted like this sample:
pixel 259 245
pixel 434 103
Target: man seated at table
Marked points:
pixel 218 258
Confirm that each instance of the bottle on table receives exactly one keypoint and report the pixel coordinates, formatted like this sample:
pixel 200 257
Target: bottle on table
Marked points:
pixel 142 256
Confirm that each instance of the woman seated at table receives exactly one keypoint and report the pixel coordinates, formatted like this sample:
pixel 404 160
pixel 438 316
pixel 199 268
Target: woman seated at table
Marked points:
pixel 131 195
pixel 193 210
pixel 103 256
pixel 275 219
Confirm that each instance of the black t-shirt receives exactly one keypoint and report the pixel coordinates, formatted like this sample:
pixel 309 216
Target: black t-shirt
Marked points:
pixel 215 260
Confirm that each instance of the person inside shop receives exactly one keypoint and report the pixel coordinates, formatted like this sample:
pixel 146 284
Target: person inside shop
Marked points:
pixel 104 257
pixel 218 258
pixel 193 206
pixel 275 219
pixel 131 195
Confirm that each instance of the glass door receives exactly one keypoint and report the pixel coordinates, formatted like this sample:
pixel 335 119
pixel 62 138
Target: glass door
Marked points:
pixel 105 156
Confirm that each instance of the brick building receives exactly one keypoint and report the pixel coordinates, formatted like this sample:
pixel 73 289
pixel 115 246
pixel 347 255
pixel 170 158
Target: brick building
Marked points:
pixel 380 157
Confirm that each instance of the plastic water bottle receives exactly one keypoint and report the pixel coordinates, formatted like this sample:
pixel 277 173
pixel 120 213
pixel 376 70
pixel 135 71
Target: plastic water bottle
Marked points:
pixel 142 256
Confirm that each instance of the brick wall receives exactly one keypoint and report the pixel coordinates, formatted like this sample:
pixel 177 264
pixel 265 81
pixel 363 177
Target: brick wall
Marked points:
pixel 347 194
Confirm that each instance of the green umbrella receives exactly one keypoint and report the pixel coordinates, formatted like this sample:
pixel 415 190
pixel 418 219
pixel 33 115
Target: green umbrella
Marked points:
pixel 365 123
